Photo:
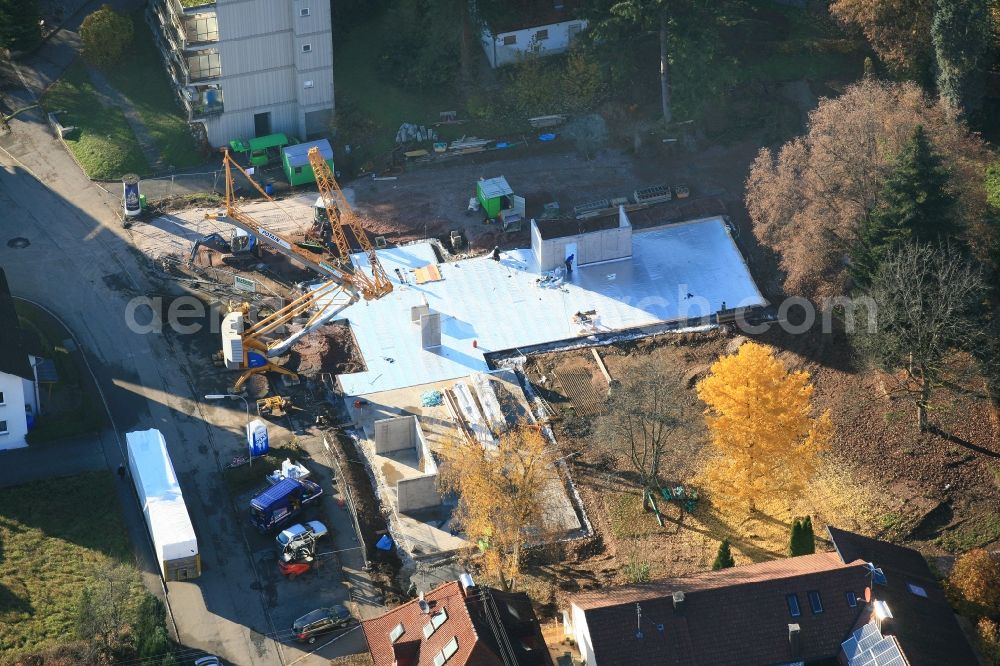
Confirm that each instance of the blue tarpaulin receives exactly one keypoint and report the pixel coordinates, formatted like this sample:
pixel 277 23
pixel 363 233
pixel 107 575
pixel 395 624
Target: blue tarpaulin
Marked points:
pixel 385 543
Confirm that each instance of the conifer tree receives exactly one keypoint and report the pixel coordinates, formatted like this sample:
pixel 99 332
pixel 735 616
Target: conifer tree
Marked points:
pixel 802 541
pixel 724 558
pixel 766 439
pixel 19 28
pixel 961 35
pixel 916 205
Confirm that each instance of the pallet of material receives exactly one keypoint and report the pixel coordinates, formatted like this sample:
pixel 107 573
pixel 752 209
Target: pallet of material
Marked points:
pixel 591 208
pixel 539 122
pixel 653 194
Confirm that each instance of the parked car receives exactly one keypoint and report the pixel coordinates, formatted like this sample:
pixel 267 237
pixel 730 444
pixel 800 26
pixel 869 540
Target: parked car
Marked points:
pixel 297 531
pixel 207 660
pixel 286 499
pixel 321 621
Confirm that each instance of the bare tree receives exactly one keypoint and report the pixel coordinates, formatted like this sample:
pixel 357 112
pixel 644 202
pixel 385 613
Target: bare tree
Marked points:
pixel 107 608
pixel 928 299
pixel 645 415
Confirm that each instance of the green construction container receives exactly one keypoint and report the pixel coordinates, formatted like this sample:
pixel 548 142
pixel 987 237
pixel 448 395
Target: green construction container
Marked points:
pixel 295 161
pixel 491 194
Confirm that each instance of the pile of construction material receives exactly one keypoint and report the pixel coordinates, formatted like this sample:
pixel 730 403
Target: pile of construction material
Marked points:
pixel 641 198
pixel 411 133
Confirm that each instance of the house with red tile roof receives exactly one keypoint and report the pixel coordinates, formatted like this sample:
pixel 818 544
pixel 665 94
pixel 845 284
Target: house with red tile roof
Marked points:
pixel 456 624
pixel 868 603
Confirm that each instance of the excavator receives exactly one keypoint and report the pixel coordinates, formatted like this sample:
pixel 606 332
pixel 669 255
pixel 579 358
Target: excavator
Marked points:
pixel 250 346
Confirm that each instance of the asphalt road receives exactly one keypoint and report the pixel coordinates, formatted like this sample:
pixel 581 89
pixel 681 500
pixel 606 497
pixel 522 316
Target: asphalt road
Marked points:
pixel 79 265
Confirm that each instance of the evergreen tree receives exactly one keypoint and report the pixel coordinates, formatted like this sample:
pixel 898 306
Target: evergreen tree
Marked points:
pixel 802 541
pixel 915 205
pixel 19 28
pixel 724 558
pixel 961 35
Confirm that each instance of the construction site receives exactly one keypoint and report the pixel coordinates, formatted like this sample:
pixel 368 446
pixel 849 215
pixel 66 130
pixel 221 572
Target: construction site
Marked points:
pixel 413 345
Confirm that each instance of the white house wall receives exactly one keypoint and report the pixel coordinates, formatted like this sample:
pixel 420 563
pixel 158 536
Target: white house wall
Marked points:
pixel 591 248
pixel 525 41
pixel 581 634
pixel 12 411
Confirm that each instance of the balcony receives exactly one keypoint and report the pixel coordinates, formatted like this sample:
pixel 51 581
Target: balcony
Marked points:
pixel 200 101
pixel 202 65
pixel 186 31
pixel 187 6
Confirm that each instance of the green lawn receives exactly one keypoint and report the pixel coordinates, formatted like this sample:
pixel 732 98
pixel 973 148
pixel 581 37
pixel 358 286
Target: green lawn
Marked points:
pixel 54 536
pixel 141 77
pixel 104 144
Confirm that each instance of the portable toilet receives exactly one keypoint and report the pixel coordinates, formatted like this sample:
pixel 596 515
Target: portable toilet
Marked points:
pixel 295 160
pixel 491 193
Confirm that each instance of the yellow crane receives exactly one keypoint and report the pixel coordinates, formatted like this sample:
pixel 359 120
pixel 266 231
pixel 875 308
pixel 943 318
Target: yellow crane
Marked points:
pixel 340 214
pixel 250 346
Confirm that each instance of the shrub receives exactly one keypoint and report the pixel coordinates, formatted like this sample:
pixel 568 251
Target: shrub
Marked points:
pixel 974 583
pixel 105 34
pixel 802 541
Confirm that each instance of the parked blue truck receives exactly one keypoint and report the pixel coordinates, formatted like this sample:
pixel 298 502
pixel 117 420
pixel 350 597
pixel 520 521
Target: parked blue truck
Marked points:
pixel 281 502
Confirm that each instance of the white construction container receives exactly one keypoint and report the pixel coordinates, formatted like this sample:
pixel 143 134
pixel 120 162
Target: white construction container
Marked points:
pixel 163 505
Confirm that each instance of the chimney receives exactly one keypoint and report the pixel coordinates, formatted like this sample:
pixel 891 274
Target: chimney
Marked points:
pixel 795 640
pixel 883 616
pixel 678 601
pixel 467 583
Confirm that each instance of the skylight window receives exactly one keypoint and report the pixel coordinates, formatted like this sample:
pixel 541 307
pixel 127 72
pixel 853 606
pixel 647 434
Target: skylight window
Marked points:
pixel 396 632
pixel 436 621
pixel 917 590
pixel 447 652
pixel 793 605
pixel 852 599
pixel 815 602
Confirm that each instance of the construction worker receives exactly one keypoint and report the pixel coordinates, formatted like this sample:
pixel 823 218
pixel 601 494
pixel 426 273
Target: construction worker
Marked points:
pixel 569 265
pixel 496 253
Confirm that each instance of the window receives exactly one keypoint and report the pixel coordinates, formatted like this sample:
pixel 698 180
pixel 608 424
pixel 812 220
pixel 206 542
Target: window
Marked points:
pixel 306 48
pixel 3 427
pixel 509 40
pixel 917 590
pixel 2 401
pixel 541 35
pixel 298 169
pixel 793 605
pixel 396 632
pixel 450 648
pixel 447 652
pixel 815 603
pixel 304 11
pixel 307 85
pixel 852 599
pixel 439 618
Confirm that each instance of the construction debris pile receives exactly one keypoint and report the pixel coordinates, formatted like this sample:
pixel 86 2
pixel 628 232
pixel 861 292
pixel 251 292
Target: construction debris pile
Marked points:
pixel 411 133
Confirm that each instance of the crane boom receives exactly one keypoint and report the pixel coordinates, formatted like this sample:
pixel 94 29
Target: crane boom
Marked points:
pixel 340 214
pixel 331 268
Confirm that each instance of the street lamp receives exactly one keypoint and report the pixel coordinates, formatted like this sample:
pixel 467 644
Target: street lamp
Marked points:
pixel 233 396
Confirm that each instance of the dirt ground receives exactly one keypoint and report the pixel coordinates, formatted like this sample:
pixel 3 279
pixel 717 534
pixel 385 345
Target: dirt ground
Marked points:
pixel 432 200
pixel 880 476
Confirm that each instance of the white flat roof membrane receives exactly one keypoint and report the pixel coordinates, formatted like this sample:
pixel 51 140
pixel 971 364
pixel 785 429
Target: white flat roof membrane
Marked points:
pixel 676 272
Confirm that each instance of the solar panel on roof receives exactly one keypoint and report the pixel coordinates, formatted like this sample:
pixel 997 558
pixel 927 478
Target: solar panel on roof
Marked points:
pixel 867 647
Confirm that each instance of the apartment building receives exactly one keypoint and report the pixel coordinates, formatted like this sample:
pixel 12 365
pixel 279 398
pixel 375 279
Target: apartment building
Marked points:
pixel 246 68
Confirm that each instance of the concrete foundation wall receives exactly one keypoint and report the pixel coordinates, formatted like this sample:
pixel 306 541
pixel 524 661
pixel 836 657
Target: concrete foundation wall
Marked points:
pixel 418 493
pixel 591 248
pixel 396 434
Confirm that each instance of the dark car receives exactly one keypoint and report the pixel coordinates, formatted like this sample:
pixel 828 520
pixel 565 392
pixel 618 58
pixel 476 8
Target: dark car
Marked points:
pixel 321 621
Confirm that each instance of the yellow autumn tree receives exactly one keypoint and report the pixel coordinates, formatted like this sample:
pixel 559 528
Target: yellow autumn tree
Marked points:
pixel 501 495
pixel 761 420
